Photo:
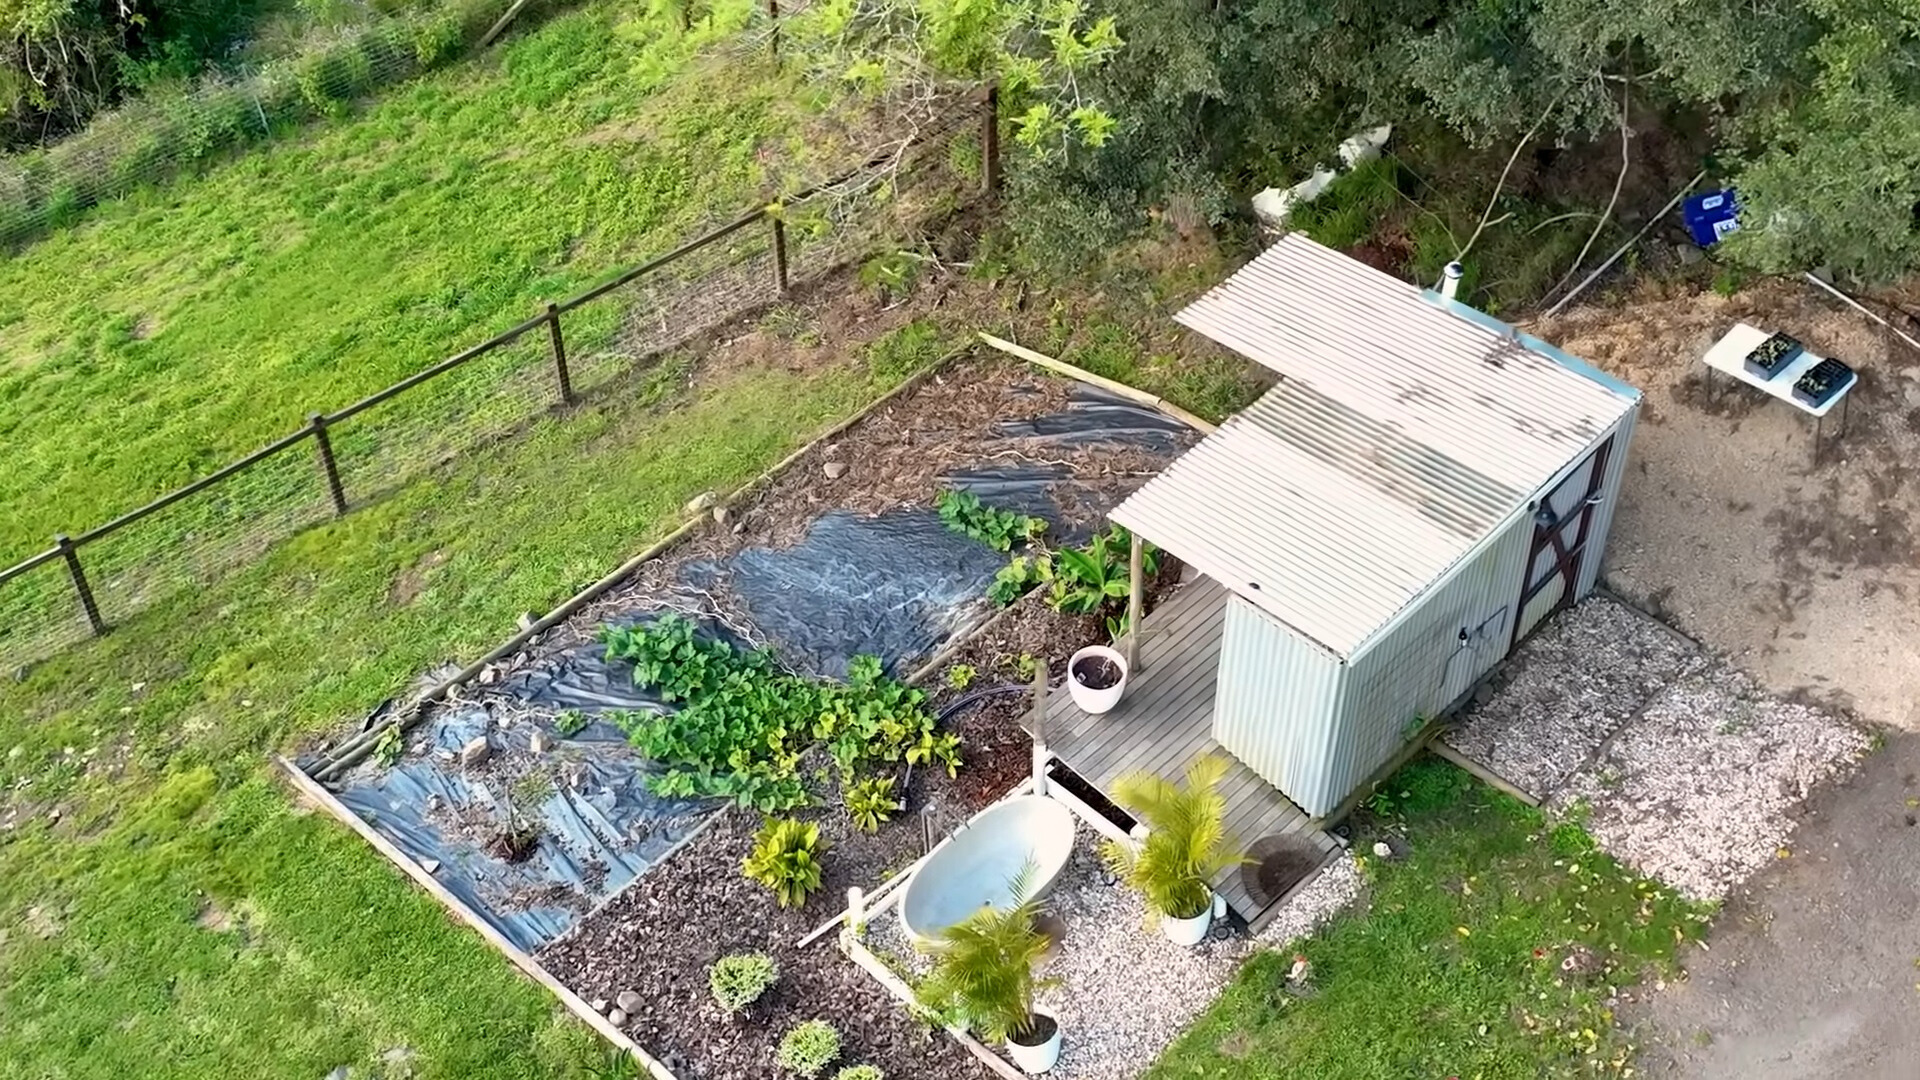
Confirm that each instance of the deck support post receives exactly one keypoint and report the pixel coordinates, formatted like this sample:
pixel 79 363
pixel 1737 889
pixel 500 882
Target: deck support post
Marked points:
pixel 1040 728
pixel 1136 599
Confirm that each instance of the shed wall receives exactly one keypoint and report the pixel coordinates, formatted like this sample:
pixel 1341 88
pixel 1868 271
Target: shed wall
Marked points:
pixel 1418 665
pixel 1277 700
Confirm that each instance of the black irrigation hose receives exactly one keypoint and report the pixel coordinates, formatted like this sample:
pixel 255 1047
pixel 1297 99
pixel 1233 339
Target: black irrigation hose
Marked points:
pixel 981 695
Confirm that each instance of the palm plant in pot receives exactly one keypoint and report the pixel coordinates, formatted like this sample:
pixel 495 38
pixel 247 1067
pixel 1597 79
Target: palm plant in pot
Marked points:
pixel 1185 847
pixel 983 979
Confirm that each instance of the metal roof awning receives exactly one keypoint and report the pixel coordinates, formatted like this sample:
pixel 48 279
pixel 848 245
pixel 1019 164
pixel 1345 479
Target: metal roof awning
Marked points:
pixel 1404 430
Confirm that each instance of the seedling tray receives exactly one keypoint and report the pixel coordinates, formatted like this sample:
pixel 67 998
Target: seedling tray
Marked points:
pixel 1822 382
pixel 1772 356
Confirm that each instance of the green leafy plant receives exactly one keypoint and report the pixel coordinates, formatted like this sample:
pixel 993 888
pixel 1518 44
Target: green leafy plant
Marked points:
pixel 982 973
pixel 871 802
pixel 860 1072
pixel 389 746
pixel 1087 580
pixel 1021 573
pixel 1026 665
pixel 1187 842
pixel 738 979
pixel 960 676
pixel 570 722
pixel 743 723
pixel 964 513
pixel 807 1049
pixel 786 858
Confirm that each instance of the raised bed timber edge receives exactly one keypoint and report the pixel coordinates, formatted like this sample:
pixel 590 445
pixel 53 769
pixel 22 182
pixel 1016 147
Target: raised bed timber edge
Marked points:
pixel 309 786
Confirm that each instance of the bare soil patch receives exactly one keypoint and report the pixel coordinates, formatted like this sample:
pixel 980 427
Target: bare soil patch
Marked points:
pixel 1800 570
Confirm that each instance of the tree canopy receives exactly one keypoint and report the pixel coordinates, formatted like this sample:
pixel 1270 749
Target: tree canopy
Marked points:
pixel 1813 106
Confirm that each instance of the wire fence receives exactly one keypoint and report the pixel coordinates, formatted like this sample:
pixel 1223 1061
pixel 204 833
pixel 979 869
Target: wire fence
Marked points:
pixel 566 353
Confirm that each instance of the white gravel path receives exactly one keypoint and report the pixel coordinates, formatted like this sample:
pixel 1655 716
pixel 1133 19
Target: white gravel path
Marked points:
pixel 1573 684
pixel 1700 790
pixel 1689 770
pixel 1125 991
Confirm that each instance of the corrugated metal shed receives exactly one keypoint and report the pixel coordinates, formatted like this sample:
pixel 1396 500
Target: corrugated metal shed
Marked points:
pixel 1404 429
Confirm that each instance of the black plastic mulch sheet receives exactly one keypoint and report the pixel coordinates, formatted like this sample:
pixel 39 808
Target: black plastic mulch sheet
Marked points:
pixel 896 586
pixel 594 840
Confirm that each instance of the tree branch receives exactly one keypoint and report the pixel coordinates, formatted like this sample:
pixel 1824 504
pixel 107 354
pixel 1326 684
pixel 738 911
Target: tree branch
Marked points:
pixel 1619 182
pixel 1502 182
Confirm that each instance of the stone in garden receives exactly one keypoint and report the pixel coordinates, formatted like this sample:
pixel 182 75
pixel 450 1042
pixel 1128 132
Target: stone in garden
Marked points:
pixel 1382 850
pixel 618 1018
pixel 835 469
pixel 527 619
pixel 340 1072
pixel 719 515
pixel 431 866
pixel 489 675
pixel 629 1001
pixel 539 742
pixel 474 752
pixel 598 1005
pixel 399 1062
pixel 702 503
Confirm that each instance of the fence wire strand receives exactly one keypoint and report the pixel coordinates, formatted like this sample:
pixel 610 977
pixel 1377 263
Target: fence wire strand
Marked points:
pixel 887 204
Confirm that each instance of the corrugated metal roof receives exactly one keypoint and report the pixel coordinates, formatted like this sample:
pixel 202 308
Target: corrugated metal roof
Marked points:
pixel 1404 430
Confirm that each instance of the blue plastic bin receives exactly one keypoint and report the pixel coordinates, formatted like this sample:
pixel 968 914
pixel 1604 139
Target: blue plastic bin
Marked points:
pixel 1712 216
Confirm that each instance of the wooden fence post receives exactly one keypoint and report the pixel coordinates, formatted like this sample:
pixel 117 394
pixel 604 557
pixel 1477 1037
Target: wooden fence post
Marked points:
pixel 559 353
pixel 780 254
pixel 329 467
pixel 990 144
pixel 72 555
pixel 773 13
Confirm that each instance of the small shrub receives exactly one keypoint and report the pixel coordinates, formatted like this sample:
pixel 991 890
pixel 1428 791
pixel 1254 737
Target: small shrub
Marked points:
pixel 960 676
pixel 739 979
pixel 1088 580
pixel 570 722
pixel 871 802
pixel 860 1072
pixel 389 746
pixel 807 1049
pixel 1020 574
pixel 786 858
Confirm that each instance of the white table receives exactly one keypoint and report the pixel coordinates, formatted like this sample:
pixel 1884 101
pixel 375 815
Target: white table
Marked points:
pixel 1729 357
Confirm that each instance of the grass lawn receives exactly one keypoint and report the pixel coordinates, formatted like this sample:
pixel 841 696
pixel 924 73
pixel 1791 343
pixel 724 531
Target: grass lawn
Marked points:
pixel 180 920
pixel 184 326
pixel 1453 966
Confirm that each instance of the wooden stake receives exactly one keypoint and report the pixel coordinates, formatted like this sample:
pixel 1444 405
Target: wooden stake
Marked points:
pixel 1136 600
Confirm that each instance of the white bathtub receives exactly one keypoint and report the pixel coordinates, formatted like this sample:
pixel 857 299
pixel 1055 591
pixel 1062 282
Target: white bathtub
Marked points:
pixel 976 865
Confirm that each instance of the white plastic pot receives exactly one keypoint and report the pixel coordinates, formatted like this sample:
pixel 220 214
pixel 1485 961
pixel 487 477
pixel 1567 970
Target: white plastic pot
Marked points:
pixel 1091 701
pixel 1038 1058
pixel 1188 931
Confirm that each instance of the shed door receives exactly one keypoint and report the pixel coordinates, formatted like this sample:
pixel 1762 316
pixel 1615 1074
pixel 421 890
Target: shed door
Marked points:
pixel 1562 524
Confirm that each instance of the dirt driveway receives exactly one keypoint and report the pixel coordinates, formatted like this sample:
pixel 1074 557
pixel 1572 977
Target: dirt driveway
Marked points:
pixel 1807 576
pixel 1814 971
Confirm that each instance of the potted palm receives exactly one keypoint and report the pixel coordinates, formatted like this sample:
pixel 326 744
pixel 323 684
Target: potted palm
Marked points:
pixel 983 980
pixel 1186 845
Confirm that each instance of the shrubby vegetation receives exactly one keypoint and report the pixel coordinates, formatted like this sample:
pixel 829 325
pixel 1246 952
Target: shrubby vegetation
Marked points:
pixel 1811 107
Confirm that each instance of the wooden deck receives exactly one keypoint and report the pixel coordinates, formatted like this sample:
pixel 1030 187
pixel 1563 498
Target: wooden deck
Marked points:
pixel 1165 720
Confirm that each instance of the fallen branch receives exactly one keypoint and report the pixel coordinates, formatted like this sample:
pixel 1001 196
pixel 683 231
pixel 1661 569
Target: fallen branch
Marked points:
pixel 1619 181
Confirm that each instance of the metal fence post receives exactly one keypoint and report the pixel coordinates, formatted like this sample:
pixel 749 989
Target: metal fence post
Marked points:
pixel 780 255
pixel 560 371
pixel 559 354
pixel 990 144
pixel 329 467
pixel 72 555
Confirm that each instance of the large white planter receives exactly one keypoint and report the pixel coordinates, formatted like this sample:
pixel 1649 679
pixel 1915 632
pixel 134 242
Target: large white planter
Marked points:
pixel 1092 701
pixel 1036 1059
pixel 1187 931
